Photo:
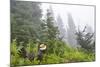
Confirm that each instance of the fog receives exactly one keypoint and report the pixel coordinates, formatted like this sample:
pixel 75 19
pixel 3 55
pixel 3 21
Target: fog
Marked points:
pixel 82 15
pixel 70 18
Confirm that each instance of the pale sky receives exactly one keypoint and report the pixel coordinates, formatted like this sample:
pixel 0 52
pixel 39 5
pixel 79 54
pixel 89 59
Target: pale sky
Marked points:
pixel 82 15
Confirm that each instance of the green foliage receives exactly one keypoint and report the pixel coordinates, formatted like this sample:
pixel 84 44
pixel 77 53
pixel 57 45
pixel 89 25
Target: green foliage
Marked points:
pixel 25 20
pixel 58 52
pixel 28 30
pixel 14 47
pixel 49 31
pixel 77 56
pixel 86 40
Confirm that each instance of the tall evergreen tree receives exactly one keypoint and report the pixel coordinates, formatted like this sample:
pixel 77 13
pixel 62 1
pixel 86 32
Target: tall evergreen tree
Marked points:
pixel 52 30
pixel 86 40
pixel 62 31
pixel 49 30
pixel 71 31
pixel 25 20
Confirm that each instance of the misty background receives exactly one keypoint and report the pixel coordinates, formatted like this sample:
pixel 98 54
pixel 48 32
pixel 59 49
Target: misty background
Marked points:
pixel 70 18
